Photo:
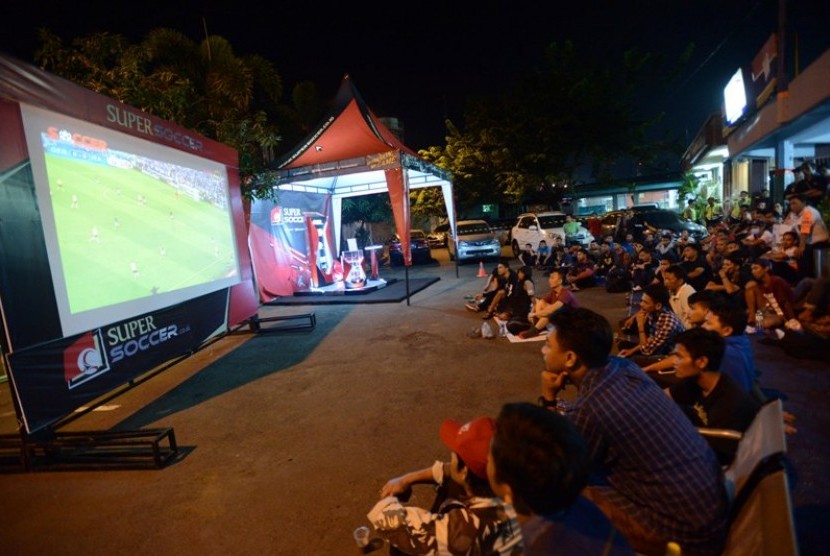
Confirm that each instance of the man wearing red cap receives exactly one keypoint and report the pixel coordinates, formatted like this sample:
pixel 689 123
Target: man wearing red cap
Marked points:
pixel 466 518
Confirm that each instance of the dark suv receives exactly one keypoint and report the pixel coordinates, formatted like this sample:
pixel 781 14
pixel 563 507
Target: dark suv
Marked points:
pixel 654 219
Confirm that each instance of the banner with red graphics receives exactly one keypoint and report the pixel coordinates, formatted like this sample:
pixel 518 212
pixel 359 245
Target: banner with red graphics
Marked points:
pixel 292 243
pixel 53 379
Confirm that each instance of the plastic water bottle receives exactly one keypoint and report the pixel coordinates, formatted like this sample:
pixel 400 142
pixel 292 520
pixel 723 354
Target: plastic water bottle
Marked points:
pixel 759 321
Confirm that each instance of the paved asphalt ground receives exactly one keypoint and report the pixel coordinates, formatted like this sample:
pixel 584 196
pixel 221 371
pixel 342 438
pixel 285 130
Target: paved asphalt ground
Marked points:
pixel 286 438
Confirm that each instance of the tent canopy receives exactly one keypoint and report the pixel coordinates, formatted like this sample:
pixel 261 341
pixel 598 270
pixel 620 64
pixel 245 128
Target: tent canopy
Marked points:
pixel 353 153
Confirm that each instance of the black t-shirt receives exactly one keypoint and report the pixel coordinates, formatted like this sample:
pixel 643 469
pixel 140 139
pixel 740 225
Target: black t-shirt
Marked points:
pixel 505 282
pixel 726 407
pixel 527 258
pixel 698 282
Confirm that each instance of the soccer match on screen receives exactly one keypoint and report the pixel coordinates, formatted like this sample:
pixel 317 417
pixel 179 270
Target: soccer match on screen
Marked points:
pixel 129 226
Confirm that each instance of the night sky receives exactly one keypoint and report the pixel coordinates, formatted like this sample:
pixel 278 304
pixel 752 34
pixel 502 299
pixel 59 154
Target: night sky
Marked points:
pixel 419 61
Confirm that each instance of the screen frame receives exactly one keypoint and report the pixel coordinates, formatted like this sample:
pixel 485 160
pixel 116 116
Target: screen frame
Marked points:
pixel 34 119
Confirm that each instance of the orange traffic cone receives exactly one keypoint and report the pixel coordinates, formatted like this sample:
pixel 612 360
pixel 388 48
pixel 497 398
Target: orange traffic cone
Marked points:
pixel 481 272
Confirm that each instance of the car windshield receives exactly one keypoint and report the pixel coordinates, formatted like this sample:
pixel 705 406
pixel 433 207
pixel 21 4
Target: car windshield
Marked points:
pixel 470 229
pixel 417 234
pixel 552 221
pixel 661 219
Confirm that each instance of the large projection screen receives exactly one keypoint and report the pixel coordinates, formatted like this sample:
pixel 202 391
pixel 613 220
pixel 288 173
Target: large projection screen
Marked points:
pixel 122 243
pixel 131 226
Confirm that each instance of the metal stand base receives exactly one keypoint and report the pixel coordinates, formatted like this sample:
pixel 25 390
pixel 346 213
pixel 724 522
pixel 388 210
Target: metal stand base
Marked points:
pixel 91 450
pixel 255 323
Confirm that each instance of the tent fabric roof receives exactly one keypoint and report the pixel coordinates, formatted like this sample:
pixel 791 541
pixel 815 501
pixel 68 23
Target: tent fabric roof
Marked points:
pixel 349 131
pixel 352 153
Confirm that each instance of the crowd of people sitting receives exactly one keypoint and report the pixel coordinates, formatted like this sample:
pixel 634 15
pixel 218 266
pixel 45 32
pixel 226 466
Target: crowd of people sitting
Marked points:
pixel 761 260
pixel 520 483
pixel 620 468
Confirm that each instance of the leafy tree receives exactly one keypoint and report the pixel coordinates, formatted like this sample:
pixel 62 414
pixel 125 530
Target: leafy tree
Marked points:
pixel 365 209
pixel 550 126
pixel 688 187
pixel 202 86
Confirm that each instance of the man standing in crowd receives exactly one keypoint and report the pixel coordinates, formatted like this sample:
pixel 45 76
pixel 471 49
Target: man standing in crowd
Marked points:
pixel 571 229
pixel 658 480
pixel 735 212
pixel 689 213
pixel 812 230
pixel 712 213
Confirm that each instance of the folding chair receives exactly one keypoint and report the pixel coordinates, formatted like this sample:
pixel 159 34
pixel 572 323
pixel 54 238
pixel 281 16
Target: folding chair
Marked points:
pixel 764 442
pixel 761 515
pixel 762 525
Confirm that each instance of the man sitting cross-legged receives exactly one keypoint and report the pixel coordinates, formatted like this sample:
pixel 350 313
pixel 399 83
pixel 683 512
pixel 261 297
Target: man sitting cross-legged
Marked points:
pixel 494 291
pixel 699 304
pixel 656 326
pixel 559 297
pixel 770 294
pixel 581 275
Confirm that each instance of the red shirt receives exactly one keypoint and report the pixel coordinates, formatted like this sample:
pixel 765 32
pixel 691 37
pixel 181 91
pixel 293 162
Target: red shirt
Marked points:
pixel 565 296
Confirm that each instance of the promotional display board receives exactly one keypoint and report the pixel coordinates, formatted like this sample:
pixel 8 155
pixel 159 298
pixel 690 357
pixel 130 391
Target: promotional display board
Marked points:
pixel 292 242
pixel 122 242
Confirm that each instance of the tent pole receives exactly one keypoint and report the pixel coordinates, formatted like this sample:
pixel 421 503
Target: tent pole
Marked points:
pixel 406 272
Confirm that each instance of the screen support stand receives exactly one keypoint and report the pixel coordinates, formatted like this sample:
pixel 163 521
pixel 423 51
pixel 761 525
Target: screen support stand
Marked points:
pixel 50 450
pixel 255 323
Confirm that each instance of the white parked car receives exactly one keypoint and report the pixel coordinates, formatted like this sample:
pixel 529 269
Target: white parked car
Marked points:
pixel 476 241
pixel 532 227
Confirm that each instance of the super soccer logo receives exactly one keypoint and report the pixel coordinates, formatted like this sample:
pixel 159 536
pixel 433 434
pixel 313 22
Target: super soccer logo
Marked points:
pixel 286 215
pixel 85 359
